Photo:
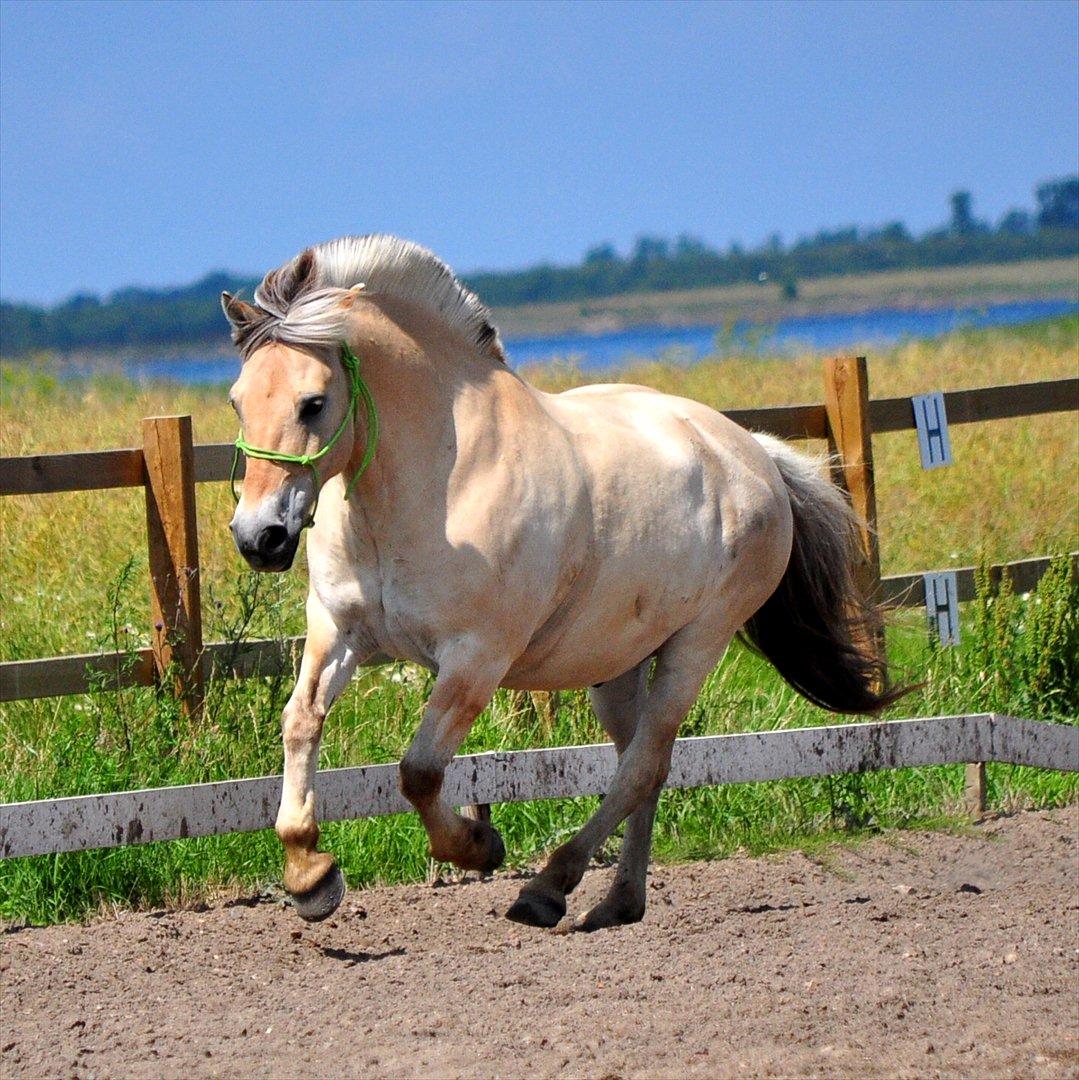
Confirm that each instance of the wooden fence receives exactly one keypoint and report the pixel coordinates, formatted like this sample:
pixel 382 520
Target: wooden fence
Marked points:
pixel 230 806
pixel 169 465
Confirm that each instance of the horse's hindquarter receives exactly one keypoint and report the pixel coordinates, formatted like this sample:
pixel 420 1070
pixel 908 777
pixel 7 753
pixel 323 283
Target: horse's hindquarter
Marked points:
pixel 689 522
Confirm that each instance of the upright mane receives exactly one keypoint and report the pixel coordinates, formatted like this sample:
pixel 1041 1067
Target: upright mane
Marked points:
pixel 300 301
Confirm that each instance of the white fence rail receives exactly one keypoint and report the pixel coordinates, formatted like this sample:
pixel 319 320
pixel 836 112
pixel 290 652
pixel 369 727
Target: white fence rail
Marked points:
pixel 139 817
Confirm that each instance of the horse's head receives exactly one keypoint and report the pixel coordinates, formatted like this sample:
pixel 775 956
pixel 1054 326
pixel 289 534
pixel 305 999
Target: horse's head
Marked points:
pixel 296 406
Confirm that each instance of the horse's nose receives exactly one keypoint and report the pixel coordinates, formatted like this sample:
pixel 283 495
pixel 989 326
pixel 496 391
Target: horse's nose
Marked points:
pixel 272 542
pixel 268 548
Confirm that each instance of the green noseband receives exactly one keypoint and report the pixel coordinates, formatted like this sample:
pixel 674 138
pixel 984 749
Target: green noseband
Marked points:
pixel 358 391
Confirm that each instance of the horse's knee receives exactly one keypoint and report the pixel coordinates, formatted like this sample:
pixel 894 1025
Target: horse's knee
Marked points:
pixel 419 782
pixel 301 725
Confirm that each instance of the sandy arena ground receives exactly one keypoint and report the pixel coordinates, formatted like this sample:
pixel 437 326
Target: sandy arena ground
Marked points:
pixel 912 955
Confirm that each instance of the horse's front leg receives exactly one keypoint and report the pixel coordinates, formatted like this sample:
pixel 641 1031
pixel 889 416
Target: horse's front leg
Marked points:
pixel 463 688
pixel 311 876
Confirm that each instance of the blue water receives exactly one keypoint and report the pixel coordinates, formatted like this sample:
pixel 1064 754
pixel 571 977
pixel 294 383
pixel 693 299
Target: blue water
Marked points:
pixel 688 343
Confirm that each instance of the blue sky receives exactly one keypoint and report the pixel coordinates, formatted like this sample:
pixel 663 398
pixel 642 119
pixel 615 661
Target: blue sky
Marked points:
pixel 149 143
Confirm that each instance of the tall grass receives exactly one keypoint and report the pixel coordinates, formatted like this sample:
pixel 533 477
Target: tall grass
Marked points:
pixel 72 574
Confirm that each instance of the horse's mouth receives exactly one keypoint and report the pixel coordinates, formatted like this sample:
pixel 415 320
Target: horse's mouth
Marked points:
pixel 271 566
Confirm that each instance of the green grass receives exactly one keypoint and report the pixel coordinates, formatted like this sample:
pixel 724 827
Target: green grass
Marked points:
pixel 70 589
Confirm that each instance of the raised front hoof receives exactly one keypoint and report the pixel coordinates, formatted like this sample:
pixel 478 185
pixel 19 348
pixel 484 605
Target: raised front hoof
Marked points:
pixel 545 909
pixel 609 913
pixel 323 900
pixel 485 852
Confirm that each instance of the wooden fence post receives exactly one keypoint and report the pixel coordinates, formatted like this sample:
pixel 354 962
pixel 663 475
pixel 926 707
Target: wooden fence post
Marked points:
pixel 846 401
pixel 850 441
pixel 173 548
pixel 974 789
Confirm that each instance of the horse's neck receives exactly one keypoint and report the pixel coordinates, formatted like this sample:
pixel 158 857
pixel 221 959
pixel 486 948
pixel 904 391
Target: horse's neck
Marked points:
pixel 432 392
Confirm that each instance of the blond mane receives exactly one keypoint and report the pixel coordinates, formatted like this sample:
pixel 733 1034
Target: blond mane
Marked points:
pixel 301 300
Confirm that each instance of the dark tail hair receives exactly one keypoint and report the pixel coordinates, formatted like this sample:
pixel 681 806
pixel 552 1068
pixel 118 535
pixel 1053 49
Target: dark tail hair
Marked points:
pixel 818 628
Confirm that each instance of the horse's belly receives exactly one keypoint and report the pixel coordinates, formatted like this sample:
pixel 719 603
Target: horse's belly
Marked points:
pixel 612 629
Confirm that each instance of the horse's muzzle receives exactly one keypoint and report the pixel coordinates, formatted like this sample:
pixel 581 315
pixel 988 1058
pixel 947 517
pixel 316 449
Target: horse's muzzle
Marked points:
pixel 270 548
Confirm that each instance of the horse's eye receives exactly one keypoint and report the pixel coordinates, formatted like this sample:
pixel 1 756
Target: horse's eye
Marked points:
pixel 311 407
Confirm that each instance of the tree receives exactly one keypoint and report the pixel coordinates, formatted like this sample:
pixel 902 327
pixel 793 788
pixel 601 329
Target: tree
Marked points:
pixel 690 245
pixel 1058 203
pixel 651 249
pixel 1016 223
pixel 894 232
pixel 962 222
pixel 601 253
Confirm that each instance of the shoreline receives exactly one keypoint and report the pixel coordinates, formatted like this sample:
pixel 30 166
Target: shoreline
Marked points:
pixel 751 304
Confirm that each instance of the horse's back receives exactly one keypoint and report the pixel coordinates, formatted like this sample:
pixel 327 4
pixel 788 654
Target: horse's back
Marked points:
pixel 620 427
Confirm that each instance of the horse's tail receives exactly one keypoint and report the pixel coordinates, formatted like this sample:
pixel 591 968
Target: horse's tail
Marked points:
pixel 818 628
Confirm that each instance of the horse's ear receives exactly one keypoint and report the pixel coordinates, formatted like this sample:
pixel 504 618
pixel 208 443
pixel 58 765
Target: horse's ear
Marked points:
pixel 239 313
pixel 303 272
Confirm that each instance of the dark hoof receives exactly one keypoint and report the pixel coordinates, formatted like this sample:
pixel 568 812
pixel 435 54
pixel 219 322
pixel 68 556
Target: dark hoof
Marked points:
pixel 496 851
pixel 322 901
pixel 605 915
pixel 488 851
pixel 537 909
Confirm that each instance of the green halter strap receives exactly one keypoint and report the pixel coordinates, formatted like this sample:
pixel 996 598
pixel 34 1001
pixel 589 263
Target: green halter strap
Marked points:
pixel 358 391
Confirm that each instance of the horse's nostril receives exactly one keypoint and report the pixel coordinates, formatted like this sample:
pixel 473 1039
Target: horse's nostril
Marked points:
pixel 272 541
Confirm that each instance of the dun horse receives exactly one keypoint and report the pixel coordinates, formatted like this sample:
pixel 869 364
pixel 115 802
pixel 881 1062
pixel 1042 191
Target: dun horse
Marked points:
pixel 609 537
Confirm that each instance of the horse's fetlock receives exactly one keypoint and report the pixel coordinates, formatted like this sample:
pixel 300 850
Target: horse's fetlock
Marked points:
pixel 418 783
pixel 627 900
pixel 302 834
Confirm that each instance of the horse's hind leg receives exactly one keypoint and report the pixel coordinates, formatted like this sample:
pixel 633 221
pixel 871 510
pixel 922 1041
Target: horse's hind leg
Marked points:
pixel 617 705
pixel 681 667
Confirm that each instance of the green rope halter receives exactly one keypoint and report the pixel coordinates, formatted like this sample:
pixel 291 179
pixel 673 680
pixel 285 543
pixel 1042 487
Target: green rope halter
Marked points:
pixel 357 391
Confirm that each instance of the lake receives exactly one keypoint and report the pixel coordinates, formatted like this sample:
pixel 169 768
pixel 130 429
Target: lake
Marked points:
pixel 684 344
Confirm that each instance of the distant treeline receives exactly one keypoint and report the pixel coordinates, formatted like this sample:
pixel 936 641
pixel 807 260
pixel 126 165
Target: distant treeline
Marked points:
pixel 133 316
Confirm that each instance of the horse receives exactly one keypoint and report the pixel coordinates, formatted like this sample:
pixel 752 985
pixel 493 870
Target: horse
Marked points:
pixel 609 537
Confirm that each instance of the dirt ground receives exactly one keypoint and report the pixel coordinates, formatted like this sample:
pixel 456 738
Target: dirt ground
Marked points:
pixel 911 955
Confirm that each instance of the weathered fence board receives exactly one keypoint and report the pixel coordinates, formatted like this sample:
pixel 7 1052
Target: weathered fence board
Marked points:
pixel 86 673
pixel 907 590
pixel 981 403
pixel 58 676
pixel 45 474
pixel 42 474
pixel 139 817
pixel 213 461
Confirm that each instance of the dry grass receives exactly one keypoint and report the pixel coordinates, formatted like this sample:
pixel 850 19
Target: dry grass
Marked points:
pixel 1011 493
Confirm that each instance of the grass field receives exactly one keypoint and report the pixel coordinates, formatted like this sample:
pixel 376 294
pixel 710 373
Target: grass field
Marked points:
pixel 73 579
